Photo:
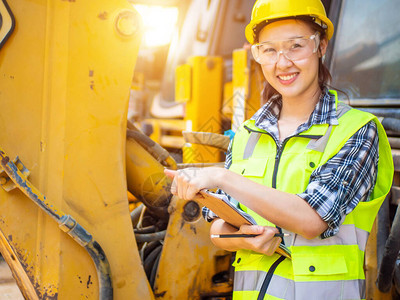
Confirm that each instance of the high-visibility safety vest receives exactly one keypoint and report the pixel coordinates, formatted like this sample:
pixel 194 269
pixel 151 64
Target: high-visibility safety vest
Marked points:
pixel 330 268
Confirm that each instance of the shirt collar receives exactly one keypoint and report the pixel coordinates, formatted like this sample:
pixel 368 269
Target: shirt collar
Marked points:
pixel 324 113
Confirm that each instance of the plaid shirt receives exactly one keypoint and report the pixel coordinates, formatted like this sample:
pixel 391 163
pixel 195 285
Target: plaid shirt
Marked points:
pixel 327 193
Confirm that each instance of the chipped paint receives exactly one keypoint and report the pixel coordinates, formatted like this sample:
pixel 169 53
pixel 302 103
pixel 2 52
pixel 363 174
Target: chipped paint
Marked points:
pixel 78 233
pixel 103 15
pixel 44 292
pixel 89 282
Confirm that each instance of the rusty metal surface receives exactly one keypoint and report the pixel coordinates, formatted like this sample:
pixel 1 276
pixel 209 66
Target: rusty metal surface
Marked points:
pixel 189 261
pixel 64 102
pixel 66 222
pixel 18 268
pixel 20 181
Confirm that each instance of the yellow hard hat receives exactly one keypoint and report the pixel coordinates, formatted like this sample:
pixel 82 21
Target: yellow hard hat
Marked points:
pixel 265 10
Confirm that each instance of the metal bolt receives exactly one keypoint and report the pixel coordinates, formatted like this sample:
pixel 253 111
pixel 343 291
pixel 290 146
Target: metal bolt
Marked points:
pixel 127 23
pixel 191 211
pixel 210 63
pixel 3 180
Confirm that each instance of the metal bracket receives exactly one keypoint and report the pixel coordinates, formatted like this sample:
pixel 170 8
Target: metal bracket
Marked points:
pixel 14 175
pixel 7 23
pixel 5 181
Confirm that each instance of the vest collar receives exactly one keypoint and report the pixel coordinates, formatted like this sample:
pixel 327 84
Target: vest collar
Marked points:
pixel 267 116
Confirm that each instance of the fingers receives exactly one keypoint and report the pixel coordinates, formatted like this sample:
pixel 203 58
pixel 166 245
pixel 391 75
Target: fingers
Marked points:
pixel 265 242
pixel 191 192
pixel 270 247
pixel 251 229
pixel 188 182
pixel 182 185
pixel 170 173
pixel 269 243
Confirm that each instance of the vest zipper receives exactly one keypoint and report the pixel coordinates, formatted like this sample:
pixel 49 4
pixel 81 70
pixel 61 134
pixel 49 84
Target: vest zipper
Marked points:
pixel 268 278
pixel 279 151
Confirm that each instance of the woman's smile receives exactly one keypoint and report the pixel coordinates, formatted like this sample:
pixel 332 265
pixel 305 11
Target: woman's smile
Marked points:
pixel 287 78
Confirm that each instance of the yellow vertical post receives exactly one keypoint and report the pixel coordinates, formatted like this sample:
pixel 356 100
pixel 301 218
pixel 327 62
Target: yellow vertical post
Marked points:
pixel 247 85
pixel 203 110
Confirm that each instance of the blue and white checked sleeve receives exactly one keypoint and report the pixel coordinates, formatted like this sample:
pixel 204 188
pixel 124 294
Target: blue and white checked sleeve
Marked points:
pixel 336 187
pixel 208 214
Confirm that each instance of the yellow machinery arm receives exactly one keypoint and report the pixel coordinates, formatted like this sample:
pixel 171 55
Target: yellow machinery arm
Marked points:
pixel 67 158
pixel 66 73
pixel 14 176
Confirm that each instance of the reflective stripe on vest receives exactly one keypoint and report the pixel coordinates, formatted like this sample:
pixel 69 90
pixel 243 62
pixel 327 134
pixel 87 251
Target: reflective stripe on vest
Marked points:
pixel 318 144
pixel 281 287
pixel 348 235
pixel 318 264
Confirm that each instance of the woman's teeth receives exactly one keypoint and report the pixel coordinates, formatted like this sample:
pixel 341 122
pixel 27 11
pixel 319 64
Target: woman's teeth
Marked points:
pixel 288 77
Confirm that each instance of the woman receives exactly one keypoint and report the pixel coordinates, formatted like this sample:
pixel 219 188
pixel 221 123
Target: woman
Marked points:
pixel 304 164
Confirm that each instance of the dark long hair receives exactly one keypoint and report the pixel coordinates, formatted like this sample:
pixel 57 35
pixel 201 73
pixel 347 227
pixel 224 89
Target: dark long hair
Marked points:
pixel 324 76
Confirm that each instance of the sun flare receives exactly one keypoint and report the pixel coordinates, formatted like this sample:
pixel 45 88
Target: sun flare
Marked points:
pixel 159 24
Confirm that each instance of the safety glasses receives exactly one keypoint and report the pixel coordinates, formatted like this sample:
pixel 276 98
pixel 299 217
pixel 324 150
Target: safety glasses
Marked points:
pixel 267 53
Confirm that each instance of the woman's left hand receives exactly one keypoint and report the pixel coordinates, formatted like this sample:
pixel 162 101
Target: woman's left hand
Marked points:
pixel 188 182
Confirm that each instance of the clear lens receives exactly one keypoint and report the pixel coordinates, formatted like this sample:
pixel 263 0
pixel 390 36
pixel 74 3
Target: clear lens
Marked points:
pixel 267 53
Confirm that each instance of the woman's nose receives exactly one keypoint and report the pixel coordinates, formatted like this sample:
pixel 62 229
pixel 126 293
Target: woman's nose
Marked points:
pixel 282 61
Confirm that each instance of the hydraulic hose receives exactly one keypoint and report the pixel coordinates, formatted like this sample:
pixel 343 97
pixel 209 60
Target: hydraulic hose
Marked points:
pixel 392 248
pixel 150 260
pixel 66 223
pixel 150 237
pixel 158 152
pixel 148 229
pixel 135 214
pixel 154 270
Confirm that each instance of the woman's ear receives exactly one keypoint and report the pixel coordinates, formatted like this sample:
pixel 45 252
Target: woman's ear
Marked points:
pixel 322 47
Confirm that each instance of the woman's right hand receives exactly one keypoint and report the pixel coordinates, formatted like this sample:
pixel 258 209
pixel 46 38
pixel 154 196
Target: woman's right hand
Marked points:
pixel 264 243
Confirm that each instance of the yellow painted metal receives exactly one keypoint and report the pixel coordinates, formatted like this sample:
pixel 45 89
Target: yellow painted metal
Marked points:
pixel 189 260
pixel 66 74
pixel 183 80
pixel 371 268
pixel 203 111
pixel 145 176
pixel 247 86
pixel 167 132
pixel 227 105
pixel 18 271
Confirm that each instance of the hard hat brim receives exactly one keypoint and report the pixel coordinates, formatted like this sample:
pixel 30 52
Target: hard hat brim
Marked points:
pixel 249 31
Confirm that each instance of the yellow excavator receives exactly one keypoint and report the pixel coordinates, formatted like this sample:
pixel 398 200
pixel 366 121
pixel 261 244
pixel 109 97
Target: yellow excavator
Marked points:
pixel 85 208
